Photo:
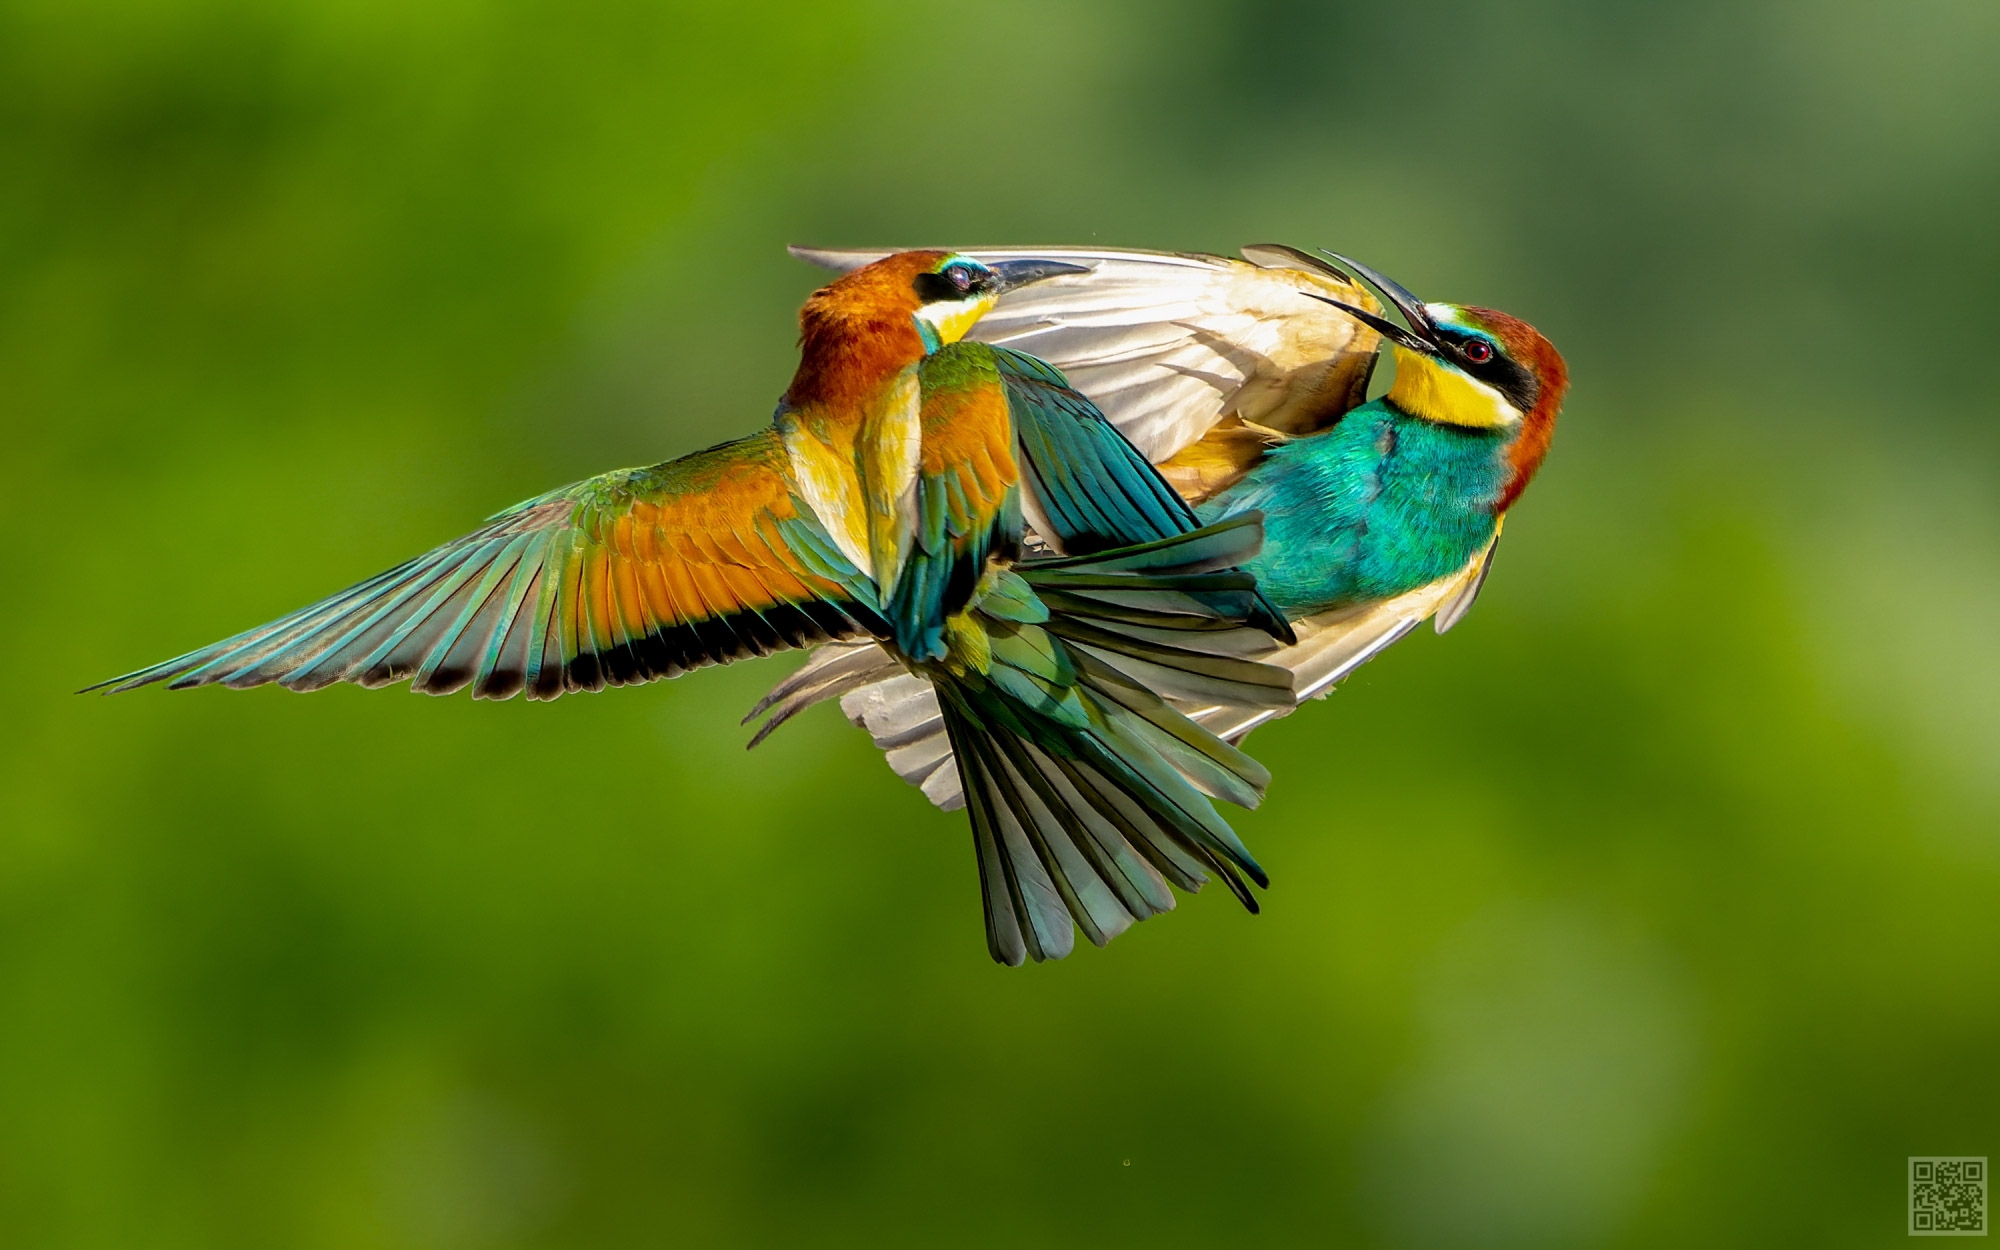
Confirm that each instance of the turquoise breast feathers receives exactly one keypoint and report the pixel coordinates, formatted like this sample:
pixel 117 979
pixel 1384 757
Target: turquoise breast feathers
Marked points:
pixel 1379 505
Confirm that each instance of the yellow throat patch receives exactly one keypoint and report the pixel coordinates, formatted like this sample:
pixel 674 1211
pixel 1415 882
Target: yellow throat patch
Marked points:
pixel 952 322
pixel 1429 388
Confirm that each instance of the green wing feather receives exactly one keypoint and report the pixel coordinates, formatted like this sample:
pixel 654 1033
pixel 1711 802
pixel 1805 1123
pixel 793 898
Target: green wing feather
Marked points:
pixel 1091 488
pixel 1094 489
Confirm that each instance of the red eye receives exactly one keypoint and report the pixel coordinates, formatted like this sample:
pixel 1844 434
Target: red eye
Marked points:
pixel 960 276
pixel 1478 351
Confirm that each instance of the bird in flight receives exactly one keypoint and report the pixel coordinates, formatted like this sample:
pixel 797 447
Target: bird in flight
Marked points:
pixel 887 505
pixel 1244 381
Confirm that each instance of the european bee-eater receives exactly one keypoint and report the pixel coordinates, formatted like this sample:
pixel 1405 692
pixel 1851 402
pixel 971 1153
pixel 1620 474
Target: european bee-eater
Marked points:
pixel 1244 380
pixel 885 504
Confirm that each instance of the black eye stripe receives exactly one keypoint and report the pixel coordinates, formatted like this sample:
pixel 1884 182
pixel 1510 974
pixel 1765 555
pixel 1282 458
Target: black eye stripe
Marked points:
pixel 953 282
pixel 1495 369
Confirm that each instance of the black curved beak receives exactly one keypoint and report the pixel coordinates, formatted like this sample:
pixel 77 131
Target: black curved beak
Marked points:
pixel 1019 273
pixel 1420 337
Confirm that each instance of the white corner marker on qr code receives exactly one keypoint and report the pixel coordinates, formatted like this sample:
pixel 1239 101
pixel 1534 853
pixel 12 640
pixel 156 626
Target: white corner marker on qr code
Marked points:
pixel 1947 1196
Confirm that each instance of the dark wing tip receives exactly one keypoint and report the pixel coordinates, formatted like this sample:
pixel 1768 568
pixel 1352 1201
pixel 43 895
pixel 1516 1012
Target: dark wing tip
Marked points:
pixel 1267 617
pixel 1285 256
pixel 838 259
pixel 126 681
pixel 1235 883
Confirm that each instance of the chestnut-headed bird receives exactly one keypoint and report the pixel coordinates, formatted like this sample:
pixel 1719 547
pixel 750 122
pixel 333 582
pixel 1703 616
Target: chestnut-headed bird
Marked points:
pixel 883 504
pixel 1244 381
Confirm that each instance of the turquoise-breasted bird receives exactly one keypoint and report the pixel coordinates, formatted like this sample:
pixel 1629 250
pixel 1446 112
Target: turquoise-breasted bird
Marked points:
pixel 884 504
pixel 1244 380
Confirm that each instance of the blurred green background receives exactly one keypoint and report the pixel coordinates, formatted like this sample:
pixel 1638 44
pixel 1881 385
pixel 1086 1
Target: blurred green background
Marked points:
pixel 1659 905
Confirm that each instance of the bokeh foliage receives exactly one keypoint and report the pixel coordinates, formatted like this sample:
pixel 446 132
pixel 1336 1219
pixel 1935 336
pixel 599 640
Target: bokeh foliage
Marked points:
pixel 1657 906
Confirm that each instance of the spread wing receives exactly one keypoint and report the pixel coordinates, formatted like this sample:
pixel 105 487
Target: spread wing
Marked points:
pixel 1171 345
pixel 1333 644
pixel 901 713
pixel 627 577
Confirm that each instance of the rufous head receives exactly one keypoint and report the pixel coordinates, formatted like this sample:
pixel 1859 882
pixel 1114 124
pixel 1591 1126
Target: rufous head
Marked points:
pixel 1457 364
pixel 940 295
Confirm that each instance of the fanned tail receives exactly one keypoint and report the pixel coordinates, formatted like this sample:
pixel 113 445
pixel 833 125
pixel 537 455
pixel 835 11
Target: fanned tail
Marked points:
pixel 1089 793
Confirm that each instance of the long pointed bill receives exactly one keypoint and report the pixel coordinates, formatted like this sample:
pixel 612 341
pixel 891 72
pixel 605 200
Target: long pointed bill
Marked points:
pixel 1419 337
pixel 1387 329
pixel 1019 273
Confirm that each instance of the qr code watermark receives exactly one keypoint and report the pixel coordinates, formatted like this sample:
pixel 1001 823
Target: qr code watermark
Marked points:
pixel 1947 1196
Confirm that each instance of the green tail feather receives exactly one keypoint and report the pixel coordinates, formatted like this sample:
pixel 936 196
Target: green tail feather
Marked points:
pixel 1088 792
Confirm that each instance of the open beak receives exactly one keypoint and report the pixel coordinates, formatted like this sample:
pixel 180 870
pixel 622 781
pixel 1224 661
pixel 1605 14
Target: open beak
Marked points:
pixel 1019 273
pixel 1420 337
